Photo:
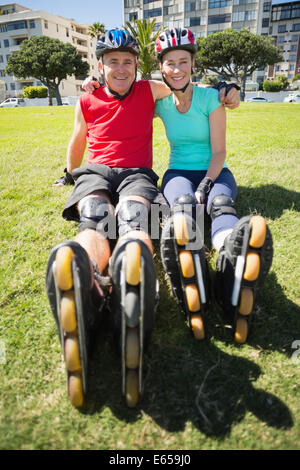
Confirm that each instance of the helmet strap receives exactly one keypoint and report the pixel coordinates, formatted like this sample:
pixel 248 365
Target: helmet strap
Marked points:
pixel 176 89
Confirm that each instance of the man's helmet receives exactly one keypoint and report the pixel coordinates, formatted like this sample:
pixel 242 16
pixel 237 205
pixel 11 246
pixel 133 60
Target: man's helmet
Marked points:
pixel 175 38
pixel 116 40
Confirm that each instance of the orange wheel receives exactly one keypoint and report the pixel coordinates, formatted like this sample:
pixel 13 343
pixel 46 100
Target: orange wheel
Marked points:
pixel 64 277
pixel 192 297
pixel 180 229
pixel 132 388
pixel 252 267
pixel 246 302
pixel 258 232
pixel 133 263
pixel 241 331
pixel 68 312
pixel 72 355
pixel 132 354
pixel 186 264
pixel 198 327
pixel 75 390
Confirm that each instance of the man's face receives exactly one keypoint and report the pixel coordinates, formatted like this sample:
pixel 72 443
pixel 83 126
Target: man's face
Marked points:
pixel 119 69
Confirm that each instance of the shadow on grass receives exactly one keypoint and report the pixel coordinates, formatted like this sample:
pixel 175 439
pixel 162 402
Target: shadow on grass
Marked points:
pixel 197 382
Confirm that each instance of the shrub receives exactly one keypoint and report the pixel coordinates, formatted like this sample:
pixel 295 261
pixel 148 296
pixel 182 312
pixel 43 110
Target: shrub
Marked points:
pixel 36 92
pixel 273 86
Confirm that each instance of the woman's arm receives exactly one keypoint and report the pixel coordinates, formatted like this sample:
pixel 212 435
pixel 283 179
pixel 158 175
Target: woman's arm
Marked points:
pixel 217 126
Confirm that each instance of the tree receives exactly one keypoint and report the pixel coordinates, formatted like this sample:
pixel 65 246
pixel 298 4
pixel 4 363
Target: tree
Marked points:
pixel 144 31
pixel 235 55
pixel 96 29
pixel 296 77
pixel 48 60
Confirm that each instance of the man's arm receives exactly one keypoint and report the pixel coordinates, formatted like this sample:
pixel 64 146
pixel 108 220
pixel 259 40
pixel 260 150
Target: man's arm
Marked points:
pixel 77 142
pixel 159 89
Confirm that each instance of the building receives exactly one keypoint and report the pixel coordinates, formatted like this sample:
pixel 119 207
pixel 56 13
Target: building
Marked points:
pixel 285 29
pixel 210 16
pixel 18 23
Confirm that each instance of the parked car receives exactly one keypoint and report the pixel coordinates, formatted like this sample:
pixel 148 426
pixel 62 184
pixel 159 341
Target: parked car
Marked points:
pixel 12 103
pixel 258 99
pixel 292 98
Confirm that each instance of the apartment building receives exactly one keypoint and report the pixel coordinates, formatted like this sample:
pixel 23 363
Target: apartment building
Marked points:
pixel 206 17
pixel 18 23
pixel 285 28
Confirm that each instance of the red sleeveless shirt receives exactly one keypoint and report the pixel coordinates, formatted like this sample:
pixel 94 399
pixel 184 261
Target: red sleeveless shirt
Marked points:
pixel 120 132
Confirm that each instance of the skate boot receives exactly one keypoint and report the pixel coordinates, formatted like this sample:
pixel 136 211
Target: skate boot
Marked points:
pixel 242 266
pixel 183 258
pixel 76 301
pixel 133 303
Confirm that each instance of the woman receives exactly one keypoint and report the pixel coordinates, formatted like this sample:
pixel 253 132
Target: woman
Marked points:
pixel 195 123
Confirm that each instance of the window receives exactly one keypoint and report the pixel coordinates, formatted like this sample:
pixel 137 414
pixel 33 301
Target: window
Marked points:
pixel 8 56
pixel 294 38
pixel 31 24
pixel 219 3
pixel 296 27
pixel 238 16
pixel 282 28
pixel 292 58
pixel 267 6
pixel 1 59
pixel 195 21
pixel 2 73
pixel 265 23
pixel 217 19
pixel 16 25
pixel 149 1
pixel 280 39
pixel 46 24
pixel 292 67
pixel 12 86
pixel 293 48
pixel 151 13
pixel 6 43
pixel 67 33
pixel 133 16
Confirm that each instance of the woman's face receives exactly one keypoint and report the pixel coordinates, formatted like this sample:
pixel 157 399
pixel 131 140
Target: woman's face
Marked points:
pixel 176 67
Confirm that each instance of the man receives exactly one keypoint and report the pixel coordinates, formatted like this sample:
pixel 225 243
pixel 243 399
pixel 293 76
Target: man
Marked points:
pixel 114 190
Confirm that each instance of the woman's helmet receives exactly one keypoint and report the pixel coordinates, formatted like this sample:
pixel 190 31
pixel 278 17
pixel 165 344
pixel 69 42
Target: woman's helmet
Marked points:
pixel 117 40
pixel 175 38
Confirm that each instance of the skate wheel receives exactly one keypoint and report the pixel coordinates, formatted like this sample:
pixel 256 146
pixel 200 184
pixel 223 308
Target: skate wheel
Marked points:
pixel 186 264
pixel 241 331
pixel 133 263
pixel 192 298
pixel 258 232
pixel 132 351
pixel 132 388
pixel 72 355
pixel 132 308
pixel 252 267
pixel 197 326
pixel 180 229
pixel 68 312
pixel 246 302
pixel 64 277
pixel 75 390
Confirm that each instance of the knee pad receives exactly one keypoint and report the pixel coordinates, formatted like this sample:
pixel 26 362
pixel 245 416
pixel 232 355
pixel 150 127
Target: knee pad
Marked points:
pixel 132 215
pixel 186 202
pixel 220 205
pixel 96 214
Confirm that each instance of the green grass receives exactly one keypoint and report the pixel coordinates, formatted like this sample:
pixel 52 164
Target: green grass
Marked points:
pixel 207 395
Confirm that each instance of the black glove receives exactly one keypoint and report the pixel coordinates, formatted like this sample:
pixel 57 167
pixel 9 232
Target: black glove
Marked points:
pixel 228 86
pixel 66 179
pixel 204 189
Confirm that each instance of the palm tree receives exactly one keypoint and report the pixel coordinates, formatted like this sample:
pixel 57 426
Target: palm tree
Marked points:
pixel 96 29
pixel 145 32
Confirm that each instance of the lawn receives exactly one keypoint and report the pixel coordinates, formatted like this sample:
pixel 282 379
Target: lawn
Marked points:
pixel 198 395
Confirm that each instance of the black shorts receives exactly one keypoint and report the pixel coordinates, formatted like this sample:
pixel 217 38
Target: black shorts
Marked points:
pixel 118 182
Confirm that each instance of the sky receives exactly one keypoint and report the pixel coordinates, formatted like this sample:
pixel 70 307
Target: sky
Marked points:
pixel 108 12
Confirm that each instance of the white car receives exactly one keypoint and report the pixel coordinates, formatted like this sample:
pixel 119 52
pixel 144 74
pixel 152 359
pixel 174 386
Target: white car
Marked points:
pixel 258 99
pixel 12 103
pixel 292 98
